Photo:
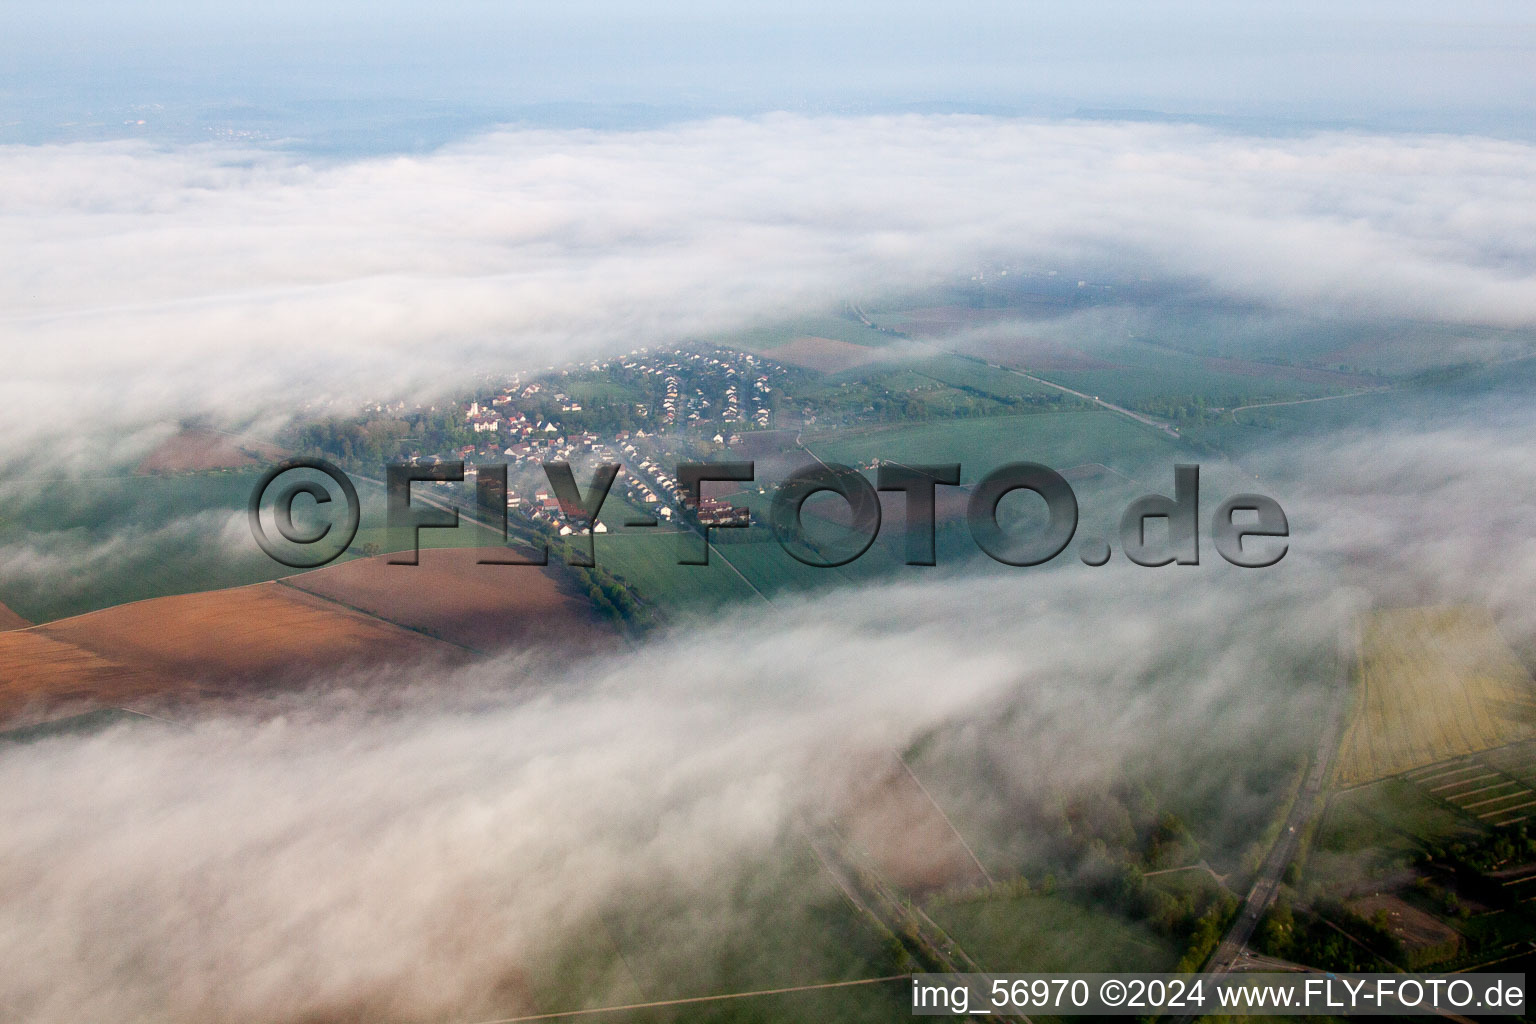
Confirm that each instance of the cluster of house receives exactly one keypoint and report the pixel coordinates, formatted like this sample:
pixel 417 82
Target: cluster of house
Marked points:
pixel 644 483
pixel 536 449
pixel 652 486
pixel 684 376
pixel 721 513
pixel 506 434
pixel 697 406
pixel 650 482
pixel 545 510
pixel 513 424
pixel 669 403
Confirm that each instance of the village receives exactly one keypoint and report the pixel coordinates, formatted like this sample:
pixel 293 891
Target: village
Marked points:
pixel 638 410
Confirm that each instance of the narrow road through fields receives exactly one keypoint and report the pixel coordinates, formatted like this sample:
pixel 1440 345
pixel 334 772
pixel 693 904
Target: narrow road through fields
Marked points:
pixel 1232 952
pixel 732 566
pixel 1305 401
pixel 1141 418
pixel 897 915
pixel 1267 883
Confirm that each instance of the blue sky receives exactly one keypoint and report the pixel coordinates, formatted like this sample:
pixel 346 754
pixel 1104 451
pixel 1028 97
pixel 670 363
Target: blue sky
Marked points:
pixel 310 67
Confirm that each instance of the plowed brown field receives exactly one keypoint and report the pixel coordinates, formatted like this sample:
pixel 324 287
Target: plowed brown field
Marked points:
pixel 483 607
pixel 825 354
pixel 200 448
pixel 265 631
pixel 43 677
pixel 10 620
pixel 317 625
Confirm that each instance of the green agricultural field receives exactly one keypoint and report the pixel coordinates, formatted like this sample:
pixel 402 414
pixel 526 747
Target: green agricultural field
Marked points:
pixel 647 558
pixel 1393 814
pixel 751 568
pixel 1271 425
pixel 1052 933
pixel 590 391
pixel 648 562
pixel 885 558
pixel 1144 373
pixel 1423 397
pixel 770 568
pixel 467 534
pixel 831 325
pixel 789 926
pixel 1061 441
pixel 78 546
pixel 968 373
pixel 1377 829
pixel 899 378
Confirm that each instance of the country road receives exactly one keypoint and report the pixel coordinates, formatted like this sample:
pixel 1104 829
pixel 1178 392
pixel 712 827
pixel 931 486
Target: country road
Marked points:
pixel 1145 420
pixel 872 896
pixel 1305 401
pixel 1267 882
pixel 1232 953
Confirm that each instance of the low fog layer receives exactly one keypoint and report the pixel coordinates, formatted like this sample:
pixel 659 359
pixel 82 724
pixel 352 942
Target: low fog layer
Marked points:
pixel 143 283
pixel 407 860
pixel 406 857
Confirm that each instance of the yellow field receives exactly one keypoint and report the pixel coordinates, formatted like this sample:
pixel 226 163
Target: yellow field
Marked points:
pixel 1435 683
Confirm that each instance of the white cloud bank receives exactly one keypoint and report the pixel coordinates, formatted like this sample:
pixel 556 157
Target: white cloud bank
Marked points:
pixel 398 863
pixel 345 857
pixel 137 282
pixel 350 861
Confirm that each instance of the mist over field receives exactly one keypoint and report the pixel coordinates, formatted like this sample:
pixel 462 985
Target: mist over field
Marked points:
pixel 257 286
pixel 254 281
pixel 409 847
pixel 1296 247
pixel 401 855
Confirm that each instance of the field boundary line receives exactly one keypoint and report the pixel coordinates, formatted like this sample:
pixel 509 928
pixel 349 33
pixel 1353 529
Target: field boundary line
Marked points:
pixel 732 566
pixel 372 615
pixel 953 831
pixel 698 999
pixel 1304 401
